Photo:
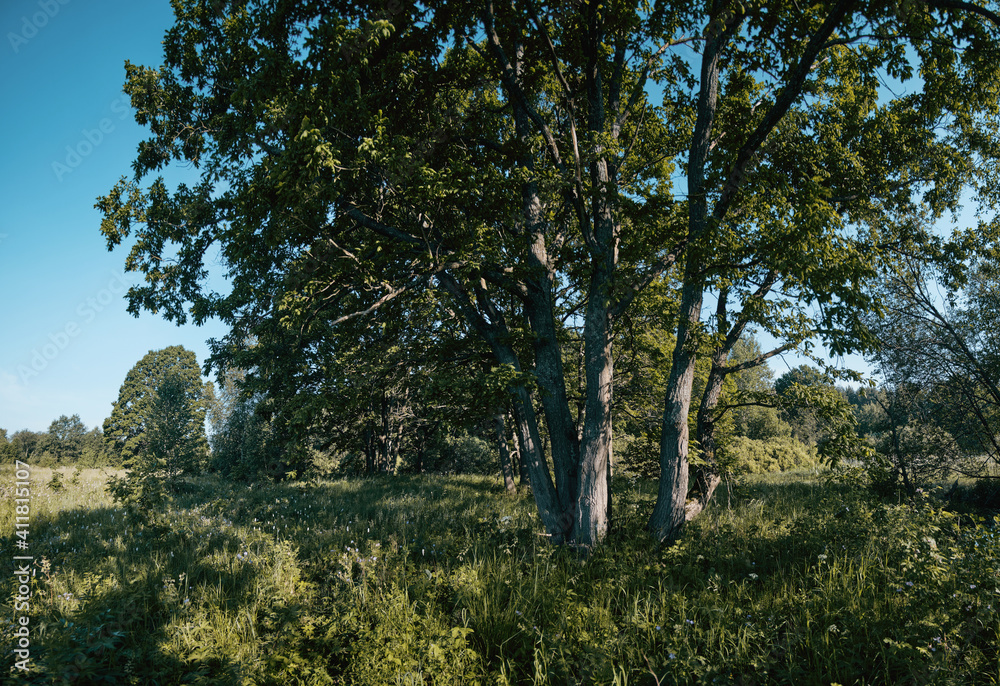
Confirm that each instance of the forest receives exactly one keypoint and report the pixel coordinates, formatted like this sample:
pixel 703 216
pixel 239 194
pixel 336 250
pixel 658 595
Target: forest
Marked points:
pixel 513 287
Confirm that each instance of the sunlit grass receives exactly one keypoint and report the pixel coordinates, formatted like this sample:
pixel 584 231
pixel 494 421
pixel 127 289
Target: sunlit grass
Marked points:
pixel 431 579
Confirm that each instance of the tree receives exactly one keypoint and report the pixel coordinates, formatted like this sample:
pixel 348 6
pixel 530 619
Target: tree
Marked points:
pixel 131 432
pixel 940 365
pixel 94 452
pixel 27 445
pixel 801 417
pixel 531 187
pixel 242 440
pixel 176 442
pixel 66 438
pixel 7 450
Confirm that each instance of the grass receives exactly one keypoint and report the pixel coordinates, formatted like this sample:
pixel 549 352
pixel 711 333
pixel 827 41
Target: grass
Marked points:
pixel 446 580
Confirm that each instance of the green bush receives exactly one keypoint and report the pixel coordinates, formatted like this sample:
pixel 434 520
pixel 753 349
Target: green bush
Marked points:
pixel 742 455
pixel 639 455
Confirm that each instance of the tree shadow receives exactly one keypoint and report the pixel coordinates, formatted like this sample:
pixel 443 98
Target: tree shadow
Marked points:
pixel 135 589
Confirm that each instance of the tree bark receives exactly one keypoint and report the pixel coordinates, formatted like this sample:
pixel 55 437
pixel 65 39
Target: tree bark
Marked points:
pixel 593 502
pixel 506 466
pixel 707 475
pixel 668 516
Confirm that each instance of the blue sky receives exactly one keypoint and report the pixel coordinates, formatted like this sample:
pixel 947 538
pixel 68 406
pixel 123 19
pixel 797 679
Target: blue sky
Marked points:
pixel 66 341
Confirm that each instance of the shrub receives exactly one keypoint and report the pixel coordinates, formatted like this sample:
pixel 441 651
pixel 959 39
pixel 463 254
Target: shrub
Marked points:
pixel 640 455
pixel 742 455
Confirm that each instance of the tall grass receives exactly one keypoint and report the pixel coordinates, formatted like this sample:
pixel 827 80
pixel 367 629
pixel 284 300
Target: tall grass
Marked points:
pixel 446 580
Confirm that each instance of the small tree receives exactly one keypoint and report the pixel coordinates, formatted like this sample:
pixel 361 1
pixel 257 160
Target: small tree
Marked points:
pixel 126 431
pixel 241 442
pixel 158 428
pixel 66 438
pixel 176 443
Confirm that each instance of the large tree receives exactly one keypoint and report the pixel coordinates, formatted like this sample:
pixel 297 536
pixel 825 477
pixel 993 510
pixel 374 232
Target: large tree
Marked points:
pixel 522 160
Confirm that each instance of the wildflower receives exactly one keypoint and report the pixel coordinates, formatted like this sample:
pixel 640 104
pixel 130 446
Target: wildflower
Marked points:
pixel 909 583
pixel 672 656
pixel 658 627
pixel 753 577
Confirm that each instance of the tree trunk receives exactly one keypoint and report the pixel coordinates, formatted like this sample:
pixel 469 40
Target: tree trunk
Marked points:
pixel 594 498
pixel 593 501
pixel 506 466
pixel 707 477
pixel 668 516
pixel 522 466
pixel 554 517
pixel 538 305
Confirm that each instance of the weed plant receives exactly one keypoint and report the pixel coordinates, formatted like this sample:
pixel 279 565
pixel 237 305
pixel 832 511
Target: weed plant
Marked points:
pixel 446 580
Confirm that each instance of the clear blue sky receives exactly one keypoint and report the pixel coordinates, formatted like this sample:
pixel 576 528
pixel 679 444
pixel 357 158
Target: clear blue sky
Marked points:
pixel 66 341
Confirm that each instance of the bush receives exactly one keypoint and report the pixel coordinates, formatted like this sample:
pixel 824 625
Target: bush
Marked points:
pixel 469 455
pixel 742 455
pixel 639 455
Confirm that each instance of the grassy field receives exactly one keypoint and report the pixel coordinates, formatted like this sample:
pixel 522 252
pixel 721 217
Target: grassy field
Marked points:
pixel 445 580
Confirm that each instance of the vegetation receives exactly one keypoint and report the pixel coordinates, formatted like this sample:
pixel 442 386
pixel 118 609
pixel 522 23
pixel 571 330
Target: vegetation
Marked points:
pixel 162 393
pixel 66 442
pixel 502 177
pixel 470 240
pixel 431 579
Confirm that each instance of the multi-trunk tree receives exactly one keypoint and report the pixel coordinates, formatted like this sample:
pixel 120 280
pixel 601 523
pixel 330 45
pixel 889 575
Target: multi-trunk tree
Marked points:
pixel 537 166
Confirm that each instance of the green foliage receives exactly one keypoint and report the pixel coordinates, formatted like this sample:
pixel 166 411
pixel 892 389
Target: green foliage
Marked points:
pixel 128 432
pixel 939 408
pixel 761 424
pixel 164 425
pixel 639 455
pixel 55 484
pixel 175 441
pixel 798 389
pixel 743 455
pixel 66 438
pixel 435 580
pixel 462 454
pixel 241 447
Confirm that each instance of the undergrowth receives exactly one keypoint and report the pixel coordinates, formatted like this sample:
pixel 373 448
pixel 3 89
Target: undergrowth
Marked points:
pixel 445 580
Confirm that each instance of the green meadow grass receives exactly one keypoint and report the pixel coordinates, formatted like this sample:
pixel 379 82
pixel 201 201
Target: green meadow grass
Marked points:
pixel 446 580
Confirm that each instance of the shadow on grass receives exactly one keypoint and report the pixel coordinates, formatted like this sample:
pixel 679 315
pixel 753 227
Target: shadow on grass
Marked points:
pixel 133 591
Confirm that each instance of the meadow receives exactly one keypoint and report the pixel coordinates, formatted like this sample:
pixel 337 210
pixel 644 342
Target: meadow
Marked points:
pixel 790 579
